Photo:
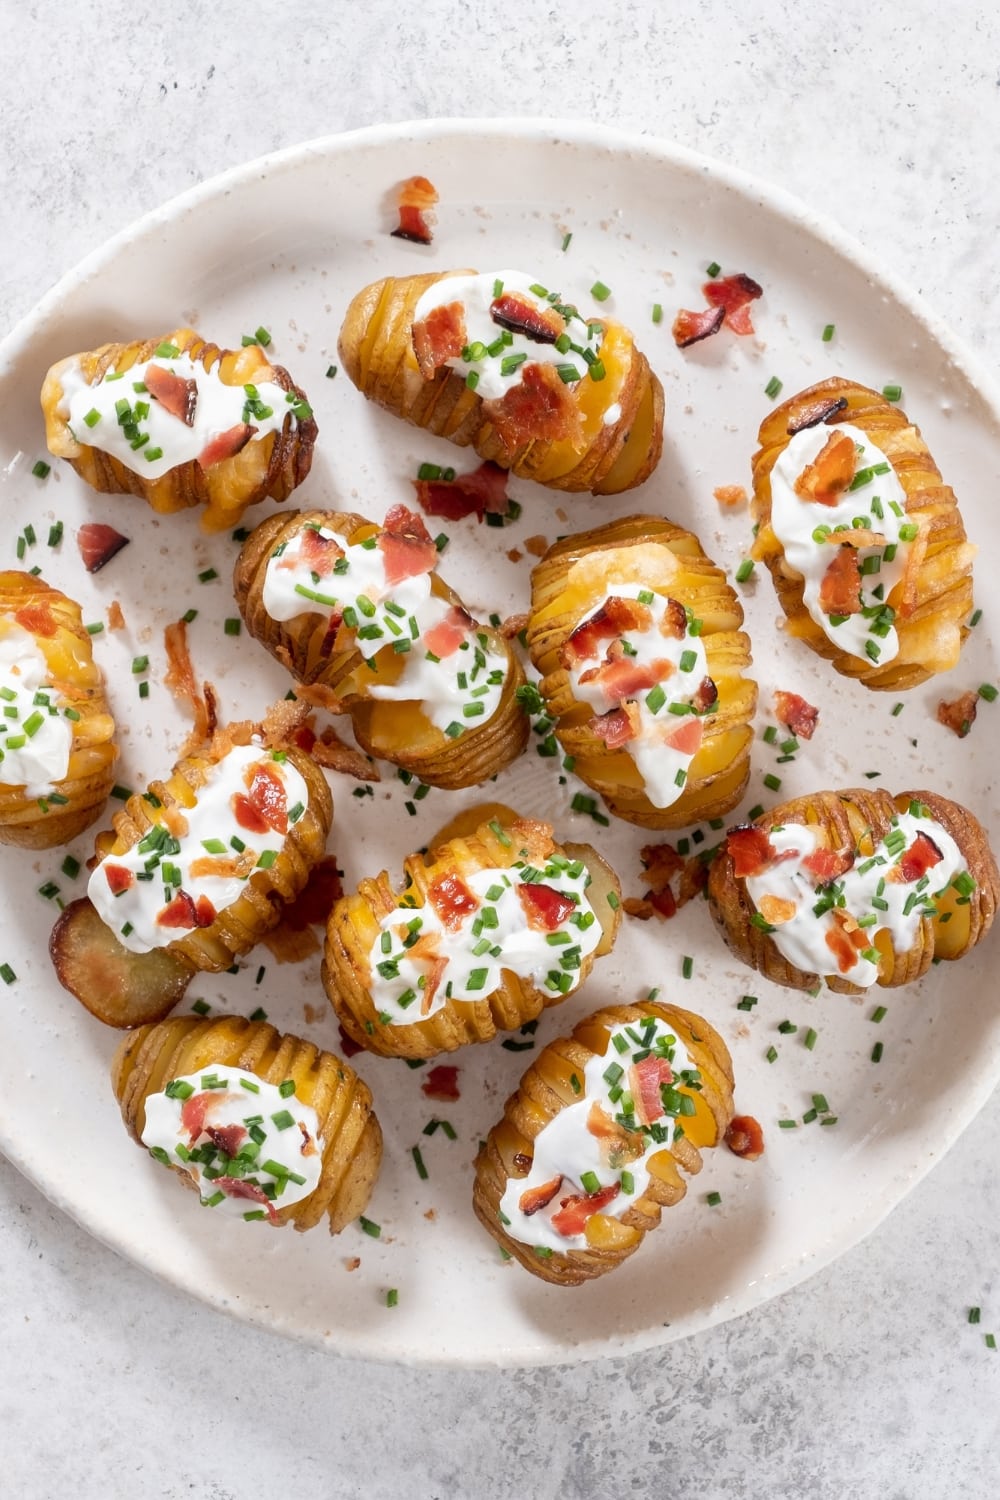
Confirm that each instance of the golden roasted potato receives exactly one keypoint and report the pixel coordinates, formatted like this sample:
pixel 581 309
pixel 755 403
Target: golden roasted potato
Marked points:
pixel 197 869
pixel 857 887
pixel 639 1091
pixel 158 1075
pixel 445 707
pixel 475 358
pixel 57 749
pixel 207 426
pixel 637 636
pixel 489 929
pixel 865 544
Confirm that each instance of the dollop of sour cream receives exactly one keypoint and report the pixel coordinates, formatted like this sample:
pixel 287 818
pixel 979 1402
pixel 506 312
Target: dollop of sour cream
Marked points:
pixel 36 737
pixel 119 416
pixel 458 945
pixel 250 1146
pixel 450 666
pixel 595 1154
pixel 496 357
pixel 874 896
pixel 876 501
pixel 165 886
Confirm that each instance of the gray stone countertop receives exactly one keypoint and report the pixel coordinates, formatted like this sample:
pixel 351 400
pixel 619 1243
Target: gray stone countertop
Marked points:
pixel 865 1381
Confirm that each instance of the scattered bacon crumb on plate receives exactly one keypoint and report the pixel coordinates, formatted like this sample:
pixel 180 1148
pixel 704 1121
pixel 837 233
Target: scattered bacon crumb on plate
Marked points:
pixel 481 492
pixel 731 496
pixel 442 1083
pixel 959 715
pixel 98 544
pixel 745 1138
pixel 729 299
pixel 796 714
pixel 416 197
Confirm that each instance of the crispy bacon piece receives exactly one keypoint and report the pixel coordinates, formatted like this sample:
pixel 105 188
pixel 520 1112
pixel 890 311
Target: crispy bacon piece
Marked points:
pixel 186 913
pixel 824 480
pixel 617 727
pixel 116 618
pixel 452 900
pixel 673 623
pixel 796 714
pixel 922 855
pixel 119 879
pixel 916 554
pixel 175 394
pixel 236 1187
pixel 664 903
pixel 445 638
pixel 37 618
pixel 539 1197
pixel 845 939
pixel 745 1138
pixel 638 907
pixel 661 863
pixel 406 546
pixel 439 337
pixel 545 908
pixel 223 866
pixel 98 544
pixel 268 796
pixel 433 978
pixel 318 551
pixel 541 324
pixel 228 1138
pixel 539 408
pixel 308 1147
pixel 959 715
pixel 442 1083
pixel 522 1162
pixel 734 295
pixel 857 537
pixel 816 412
pixel 686 738
pixel 348 1046
pixel 705 695
pixel 694 878
pixel 226 445
pixel 194 1112
pixel 331 751
pixel 732 496
pixel 828 864
pixel 750 850
pixel 609 623
pixel 180 679
pixel 776 910
pixel 646 1078
pixel 574 1212
pixel 483 492
pixel 691 327
pixel 840 587
pixel 416 197
pixel 626 678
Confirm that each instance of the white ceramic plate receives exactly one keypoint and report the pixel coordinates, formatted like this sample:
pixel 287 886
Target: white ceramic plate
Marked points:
pixel 285 242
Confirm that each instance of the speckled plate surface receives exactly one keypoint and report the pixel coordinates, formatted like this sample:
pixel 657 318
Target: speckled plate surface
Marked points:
pixel 285 242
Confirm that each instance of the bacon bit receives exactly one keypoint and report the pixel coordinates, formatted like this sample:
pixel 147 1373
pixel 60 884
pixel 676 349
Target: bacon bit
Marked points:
pixel 452 900
pixel 922 855
pixel 445 638
pixel 330 751
pixel 313 1013
pixel 180 679
pixel 816 412
pixel 645 1081
pixel 661 863
pixel 433 978
pixel 731 495
pixel 38 619
pixel 776 910
pixel 828 864
pixel 439 337
pixel 535 1198
pixel 176 395
pixel 845 940
pixel 98 544
pixel 623 679
pixel 247 816
pixel 194 1112
pixel 664 903
pixel 320 552
pixel 915 556
pixel 228 1138
pixel 707 693
pixel 540 408
pixel 638 907
pixel 441 1083
pixel 116 619
pixel 236 1187
pixel 541 324
pixel 687 737
pixel 314 902
pixel 960 714
pixel 174 820
pixel 348 1046
pixel 522 1162
pixel 796 714
pixel 734 295
pixel 482 492
pixel 745 1138
pixel 615 617
pixel 407 548
pixel 857 537
pixel 226 445
pixel 545 908
pixel 515 554
pixel 183 912
pixel 830 473
pixel 353 1263
pixel 840 589
pixel 750 850
pixel 536 545
pixel 694 880
pixel 513 625
pixel 318 695
pixel 268 795
pixel 673 625
pixel 617 727
pixel 691 327
pixel 308 1147
pixel 415 198
pixel 575 1212
pixel 119 879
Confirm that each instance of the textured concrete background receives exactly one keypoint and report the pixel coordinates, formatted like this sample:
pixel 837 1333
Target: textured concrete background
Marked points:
pixel 867 1381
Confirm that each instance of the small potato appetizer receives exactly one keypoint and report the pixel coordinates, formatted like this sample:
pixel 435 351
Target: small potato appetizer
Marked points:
pixel 57 736
pixel 589 1148
pixel 490 928
pixel 857 888
pixel 262 1126
pixel 197 869
pixel 495 361
pixel 865 544
pixel 637 636
pixel 181 422
pixel 360 616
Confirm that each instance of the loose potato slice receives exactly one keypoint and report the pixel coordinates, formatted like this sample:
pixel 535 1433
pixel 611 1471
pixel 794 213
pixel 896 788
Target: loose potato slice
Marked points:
pixel 118 987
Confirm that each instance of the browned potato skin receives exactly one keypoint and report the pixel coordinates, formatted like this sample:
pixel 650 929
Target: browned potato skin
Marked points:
pixel 90 774
pixel 841 819
pixel 127 989
pixel 149 1058
pixel 567 584
pixel 268 469
pixel 545 1090
pixel 376 350
pixel 304 647
pixel 931 637
pixel 354 926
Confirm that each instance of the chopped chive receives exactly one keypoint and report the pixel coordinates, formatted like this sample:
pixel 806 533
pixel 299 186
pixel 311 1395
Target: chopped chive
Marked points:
pixel 772 782
pixel 96 628
pixel 392 1297
pixel 892 392
pixel 773 387
pixel 192 614
pixel 41 470
pixel 771 1054
pixel 418 1162
pixel 657 312
pixel 810 1039
pixel 974 1314
pixel 713 1200
pixel 828 332
pixel 746 1002
pixel 877 1051
pixel 140 664
pixel 687 967
pixel 232 626
pixel 566 240
pixel 988 691
pixel 600 292
pixel 207 576
pixel 744 570
pixel 122 793
pixel 878 1014
pixel 200 1007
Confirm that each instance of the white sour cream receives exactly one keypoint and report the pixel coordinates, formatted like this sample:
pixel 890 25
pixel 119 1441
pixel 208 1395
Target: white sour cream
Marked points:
pixel 214 832
pixel 35 736
pixel 277 1155
pixel 869 634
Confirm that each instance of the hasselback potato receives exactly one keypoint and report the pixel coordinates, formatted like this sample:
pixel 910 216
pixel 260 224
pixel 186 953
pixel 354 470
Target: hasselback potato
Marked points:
pixel 865 544
pixel 57 740
pixel 181 422
pixel 292 1139
pixel 488 930
pixel 857 887
pixel 360 611
pixel 197 869
pixel 636 634
pixel 496 362
pixel 590 1146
